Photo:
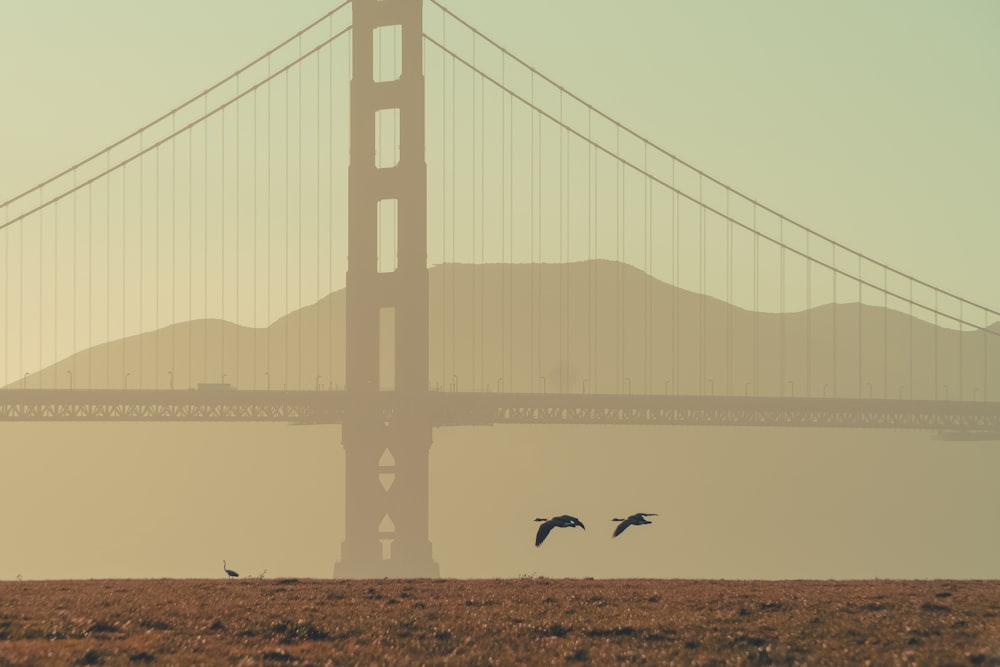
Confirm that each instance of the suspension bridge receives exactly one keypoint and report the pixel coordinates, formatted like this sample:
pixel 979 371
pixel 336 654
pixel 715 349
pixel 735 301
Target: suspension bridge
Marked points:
pixel 390 222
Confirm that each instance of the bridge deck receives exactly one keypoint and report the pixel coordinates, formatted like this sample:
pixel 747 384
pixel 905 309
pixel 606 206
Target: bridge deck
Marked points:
pixel 457 408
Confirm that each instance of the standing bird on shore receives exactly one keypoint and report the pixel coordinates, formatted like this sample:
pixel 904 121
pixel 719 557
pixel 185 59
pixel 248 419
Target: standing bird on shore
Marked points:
pixel 562 521
pixel 231 573
pixel 637 519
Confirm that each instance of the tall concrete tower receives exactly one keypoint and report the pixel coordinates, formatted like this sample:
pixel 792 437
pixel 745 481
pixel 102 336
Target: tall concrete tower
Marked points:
pixel 387 321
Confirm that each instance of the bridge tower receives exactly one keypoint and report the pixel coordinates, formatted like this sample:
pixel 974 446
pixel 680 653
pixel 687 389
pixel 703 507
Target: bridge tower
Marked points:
pixel 387 528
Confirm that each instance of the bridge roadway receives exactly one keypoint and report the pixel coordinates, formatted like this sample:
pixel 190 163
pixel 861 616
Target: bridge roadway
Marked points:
pixel 963 419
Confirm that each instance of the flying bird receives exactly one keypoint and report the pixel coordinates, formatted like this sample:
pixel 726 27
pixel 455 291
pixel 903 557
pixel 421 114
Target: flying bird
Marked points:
pixel 231 573
pixel 562 521
pixel 637 519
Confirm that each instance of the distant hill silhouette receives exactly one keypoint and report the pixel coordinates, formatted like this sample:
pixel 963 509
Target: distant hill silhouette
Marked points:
pixel 597 326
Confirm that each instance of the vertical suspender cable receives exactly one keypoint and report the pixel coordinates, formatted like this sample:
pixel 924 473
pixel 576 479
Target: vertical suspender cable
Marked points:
pixel 836 309
pixel 986 358
pixel 156 280
pixel 454 224
pixel 620 257
pixel 729 298
pixel 538 260
pixel 141 201
pixel 531 242
pixel 319 189
pixel 107 273
pixel 475 266
pixel 41 291
pixel 5 377
pixel 6 296
pixel 55 292
pixel 563 257
pixel 756 304
pixel 236 215
pixel 267 286
pixel 444 197
pixel 781 316
pixel 298 310
pixel 701 286
pixel 20 300
pixel 675 289
pixel 285 385
pixel 646 249
pixel 885 332
pixel 961 331
pixel 256 324
pixel 651 332
pixel 622 276
pixel 936 330
pixel 190 282
pixel 539 282
pixel 222 247
pixel 482 221
pixel 911 336
pixel 860 315
pixel 592 299
pixel 591 203
pixel 808 391
pixel 125 372
pixel 510 240
pixel 90 286
pixel 503 220
pixel 74 281
pixel 173 248
pixel 329 124
pixel 205 234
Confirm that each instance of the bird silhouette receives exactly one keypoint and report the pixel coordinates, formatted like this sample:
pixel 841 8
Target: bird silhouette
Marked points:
pixel 637 519
pixel 561 521
pixel 231 573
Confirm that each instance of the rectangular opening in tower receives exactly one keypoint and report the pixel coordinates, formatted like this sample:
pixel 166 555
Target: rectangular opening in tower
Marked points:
pixel 387 53
pixel 388 240
pixel 387 348
pixel 386 138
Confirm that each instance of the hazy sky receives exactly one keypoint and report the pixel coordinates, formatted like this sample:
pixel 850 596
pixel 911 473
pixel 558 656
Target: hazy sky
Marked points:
pixel 872 123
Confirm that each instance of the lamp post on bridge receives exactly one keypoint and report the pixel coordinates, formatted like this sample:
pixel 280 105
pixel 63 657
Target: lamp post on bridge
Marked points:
pixel 125 381
pixel 24 381
pixel 70 373
pixel 171 374
pixel 267 376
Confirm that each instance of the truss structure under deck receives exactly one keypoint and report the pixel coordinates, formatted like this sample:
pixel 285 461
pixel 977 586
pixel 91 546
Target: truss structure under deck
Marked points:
pixel 465 409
